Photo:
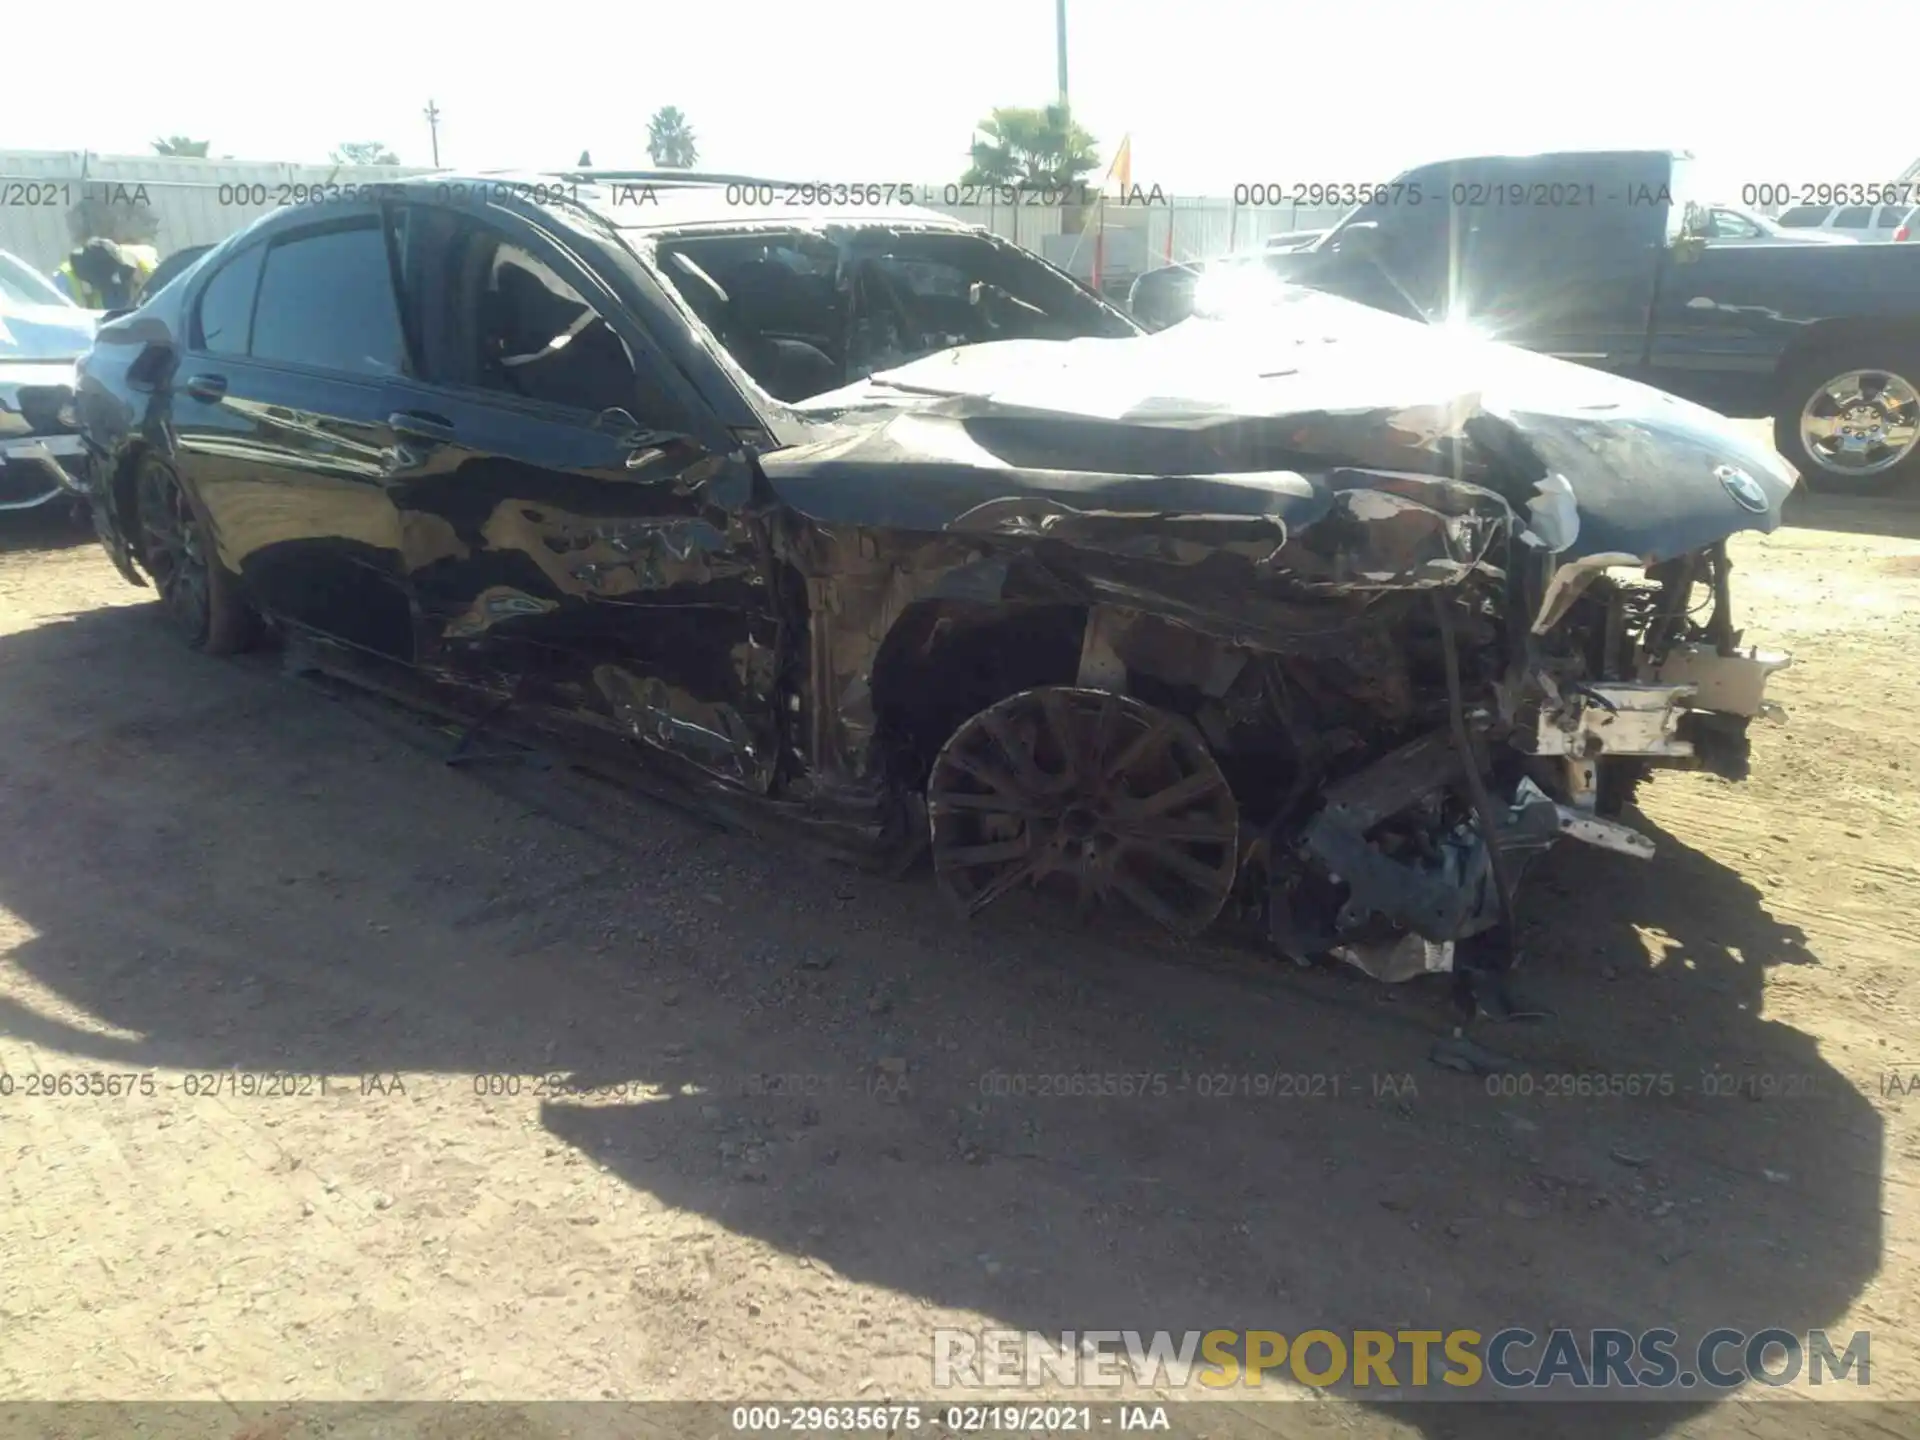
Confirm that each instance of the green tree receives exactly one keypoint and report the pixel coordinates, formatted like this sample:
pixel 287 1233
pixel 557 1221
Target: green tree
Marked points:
pixel 364 152
pixel 1040 147
pixel 181 145
pixel 114 218
pixel 585 162
pixel 670 140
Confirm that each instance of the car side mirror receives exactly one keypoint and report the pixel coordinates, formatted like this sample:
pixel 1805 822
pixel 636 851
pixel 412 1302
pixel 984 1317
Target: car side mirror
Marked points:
pixel 1688 248
pixel 1362 240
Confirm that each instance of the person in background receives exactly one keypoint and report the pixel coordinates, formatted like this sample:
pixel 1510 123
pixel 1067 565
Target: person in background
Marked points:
pixel 103 275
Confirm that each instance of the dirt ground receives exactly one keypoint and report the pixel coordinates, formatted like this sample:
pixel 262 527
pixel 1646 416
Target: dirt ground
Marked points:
pixel 783 1172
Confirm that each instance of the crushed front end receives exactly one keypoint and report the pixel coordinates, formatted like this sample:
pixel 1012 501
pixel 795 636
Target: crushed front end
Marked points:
pixel 1427 607
pixel 1544 697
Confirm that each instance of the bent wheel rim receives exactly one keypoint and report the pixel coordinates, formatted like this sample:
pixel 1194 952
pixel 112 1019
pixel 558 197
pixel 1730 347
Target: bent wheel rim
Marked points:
pixel 176 549
pixel 1095 796
pixel 1862 422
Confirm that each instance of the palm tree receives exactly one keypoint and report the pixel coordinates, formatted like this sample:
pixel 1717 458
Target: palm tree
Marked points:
pixel 1039 148
pixel 364 152
pixel 181 145
pixel 670 140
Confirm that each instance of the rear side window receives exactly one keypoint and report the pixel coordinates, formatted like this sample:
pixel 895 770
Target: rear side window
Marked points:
pixel 1805 217
pixel 326 300
pixel 1890 216
pixel 226 305
pixel 1853 217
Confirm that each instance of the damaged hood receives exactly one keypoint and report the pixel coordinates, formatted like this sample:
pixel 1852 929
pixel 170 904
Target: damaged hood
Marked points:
pixel 1273 413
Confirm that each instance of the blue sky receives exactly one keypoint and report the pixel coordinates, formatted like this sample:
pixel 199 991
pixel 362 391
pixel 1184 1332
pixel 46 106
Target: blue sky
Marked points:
pixel 1212 92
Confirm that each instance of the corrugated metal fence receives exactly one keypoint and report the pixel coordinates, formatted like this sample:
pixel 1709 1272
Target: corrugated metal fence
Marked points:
pixel 50 200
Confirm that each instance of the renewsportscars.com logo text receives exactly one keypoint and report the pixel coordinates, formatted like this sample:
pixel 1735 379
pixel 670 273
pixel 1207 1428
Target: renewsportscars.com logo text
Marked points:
pixel 1514 1358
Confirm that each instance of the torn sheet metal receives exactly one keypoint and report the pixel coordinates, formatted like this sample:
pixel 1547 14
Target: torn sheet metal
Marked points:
pixel 1586 827
pixel 1316 381
pixel 710 733
pixel 1612 718
pixel 1734 684
pixel 1397 960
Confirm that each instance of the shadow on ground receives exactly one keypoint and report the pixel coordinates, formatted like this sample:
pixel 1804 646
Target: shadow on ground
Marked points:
pixel 1896 515
pixel 234 872
pixel 47 527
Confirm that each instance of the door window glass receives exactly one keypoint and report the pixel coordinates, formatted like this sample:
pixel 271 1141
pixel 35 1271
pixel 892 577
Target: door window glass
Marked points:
pixel 1730 225
pixel 326 300
pixel 1852 217
pixel 226 305
pixel 493 316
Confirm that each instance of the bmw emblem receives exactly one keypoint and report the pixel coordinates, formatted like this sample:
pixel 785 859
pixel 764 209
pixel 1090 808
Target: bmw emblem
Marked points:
pixel 1743 487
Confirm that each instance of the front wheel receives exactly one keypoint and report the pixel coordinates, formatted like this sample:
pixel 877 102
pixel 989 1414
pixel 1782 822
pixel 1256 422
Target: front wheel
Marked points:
pixel 1097 796
pixel 201 600
pixel 1849 419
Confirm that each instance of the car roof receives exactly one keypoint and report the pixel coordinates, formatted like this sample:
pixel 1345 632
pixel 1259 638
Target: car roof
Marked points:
pixel 1596 155
pixel 651 200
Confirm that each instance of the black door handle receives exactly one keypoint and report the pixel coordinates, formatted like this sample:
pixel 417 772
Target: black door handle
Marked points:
pixel 207 387
pixel 418 425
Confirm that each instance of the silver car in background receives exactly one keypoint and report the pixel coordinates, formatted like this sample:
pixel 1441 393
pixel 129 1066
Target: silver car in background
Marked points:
pixel 1854 222
pixel 42 334
pixel 24 285
pixel 1736 225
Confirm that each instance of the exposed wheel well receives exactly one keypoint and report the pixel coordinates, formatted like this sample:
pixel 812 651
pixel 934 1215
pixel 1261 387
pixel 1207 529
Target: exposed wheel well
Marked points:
pixel 945 661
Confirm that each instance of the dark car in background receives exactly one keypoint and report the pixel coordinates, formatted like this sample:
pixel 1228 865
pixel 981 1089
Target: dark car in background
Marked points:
pixel 871 526
pixel 1609 259
pixel 172 268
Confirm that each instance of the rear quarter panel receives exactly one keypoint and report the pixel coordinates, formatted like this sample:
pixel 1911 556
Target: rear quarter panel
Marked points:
pixel 117 422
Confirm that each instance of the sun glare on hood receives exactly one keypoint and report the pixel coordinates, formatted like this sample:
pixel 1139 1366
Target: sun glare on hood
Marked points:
pixel 1230 289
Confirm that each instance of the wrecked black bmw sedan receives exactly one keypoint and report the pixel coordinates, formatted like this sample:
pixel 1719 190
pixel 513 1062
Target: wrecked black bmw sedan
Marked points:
pixel 869 523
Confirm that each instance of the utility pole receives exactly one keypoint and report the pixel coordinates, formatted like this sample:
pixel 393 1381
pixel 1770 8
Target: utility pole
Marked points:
pixel 432 112
pixel 1060 45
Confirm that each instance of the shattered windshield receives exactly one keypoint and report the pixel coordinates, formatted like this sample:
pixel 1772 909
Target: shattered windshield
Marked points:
pixel 805 312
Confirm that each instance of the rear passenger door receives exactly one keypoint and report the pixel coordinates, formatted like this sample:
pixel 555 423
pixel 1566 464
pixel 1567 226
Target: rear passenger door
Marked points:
pixel 280 412
pixel 559 551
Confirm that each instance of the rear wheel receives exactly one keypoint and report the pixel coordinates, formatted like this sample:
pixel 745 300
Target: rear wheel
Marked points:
pixel 201 600
pixel 1849 418
pixel 1094 795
